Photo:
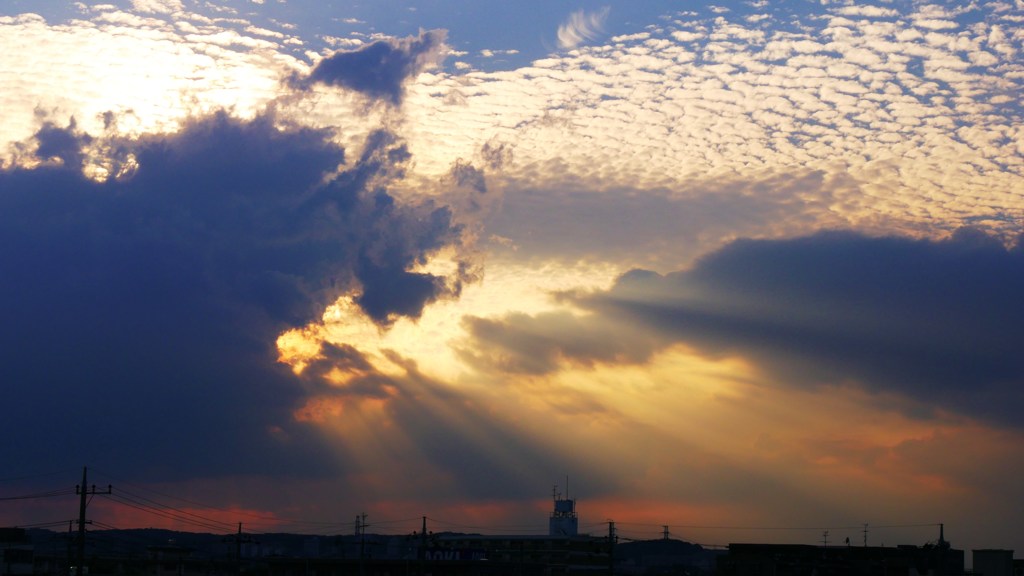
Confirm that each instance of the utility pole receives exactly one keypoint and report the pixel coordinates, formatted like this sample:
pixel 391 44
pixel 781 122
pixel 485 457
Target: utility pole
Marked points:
pixel 238 539
pixel 611 548
pixel 238 549
pixel 422 556
pixel 362 535
pixel 664 533
pixel 82 492
pixel 71 548
pixel 865 534
pixel 361 531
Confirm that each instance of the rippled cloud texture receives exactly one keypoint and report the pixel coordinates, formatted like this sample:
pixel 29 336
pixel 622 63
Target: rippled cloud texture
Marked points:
pixel 748 264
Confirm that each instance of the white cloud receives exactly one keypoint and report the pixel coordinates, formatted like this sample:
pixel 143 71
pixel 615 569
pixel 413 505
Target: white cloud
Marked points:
pixel 657 110
pixel 867 11
pixel 582 26
pixel 344 43
pixel 629 37
pixel 143 69
pixel 935 24
pixel 643 114
pixel 488 53
pixel 158 6
pixel 686 36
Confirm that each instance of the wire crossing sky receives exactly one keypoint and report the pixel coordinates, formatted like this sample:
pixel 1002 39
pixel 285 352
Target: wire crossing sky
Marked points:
pixel 725 266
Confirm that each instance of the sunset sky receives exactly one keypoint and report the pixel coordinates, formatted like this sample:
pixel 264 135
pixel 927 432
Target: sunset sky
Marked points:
pixel 749 270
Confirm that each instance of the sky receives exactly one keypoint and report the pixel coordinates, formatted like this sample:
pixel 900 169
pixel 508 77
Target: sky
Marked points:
pixel 748 270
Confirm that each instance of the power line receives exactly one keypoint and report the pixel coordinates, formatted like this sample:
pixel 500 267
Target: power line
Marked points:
pixel 314 526
pixel 205 521
pixel 159 493
pixel 44 524
pixel 36 476
pixel 515 528
pixel 661 527
pixel 49 494
pixel 173 514
pixel 400 521
pixel 148 503
pixel 929 525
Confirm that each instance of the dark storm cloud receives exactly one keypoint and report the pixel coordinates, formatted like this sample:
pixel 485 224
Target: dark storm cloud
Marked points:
pixel 139 314
pixel 58 143
pixel 938 321
pixel 381 68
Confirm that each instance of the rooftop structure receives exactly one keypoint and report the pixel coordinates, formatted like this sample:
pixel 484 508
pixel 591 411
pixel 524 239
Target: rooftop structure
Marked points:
pixel 563 520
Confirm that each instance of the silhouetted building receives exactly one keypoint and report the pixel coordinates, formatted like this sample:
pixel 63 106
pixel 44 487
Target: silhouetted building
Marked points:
pixel 559 554
pixel 992 562
pixel 663 556
pixel 168 559
pixel 16 551
pixel 808 560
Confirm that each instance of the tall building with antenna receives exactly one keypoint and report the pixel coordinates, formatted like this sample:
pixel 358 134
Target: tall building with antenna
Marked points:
pixel 563 520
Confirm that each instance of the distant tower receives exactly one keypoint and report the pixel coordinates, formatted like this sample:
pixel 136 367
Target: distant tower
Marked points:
pixel 563 521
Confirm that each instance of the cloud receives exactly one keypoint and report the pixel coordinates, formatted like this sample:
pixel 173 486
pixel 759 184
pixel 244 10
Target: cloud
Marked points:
pixel 62 145
pixel 582 26
pixel 150 301
pixel 453 441
pixel 154 300
pixel 158 6
pixel 190 67
pixel 867 11
pixel 379 69
pixel 664 230
pixel 534 345
pixel 919 131
pixel 938 322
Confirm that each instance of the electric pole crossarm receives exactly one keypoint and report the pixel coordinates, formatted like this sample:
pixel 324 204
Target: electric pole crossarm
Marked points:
pixel 83 491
